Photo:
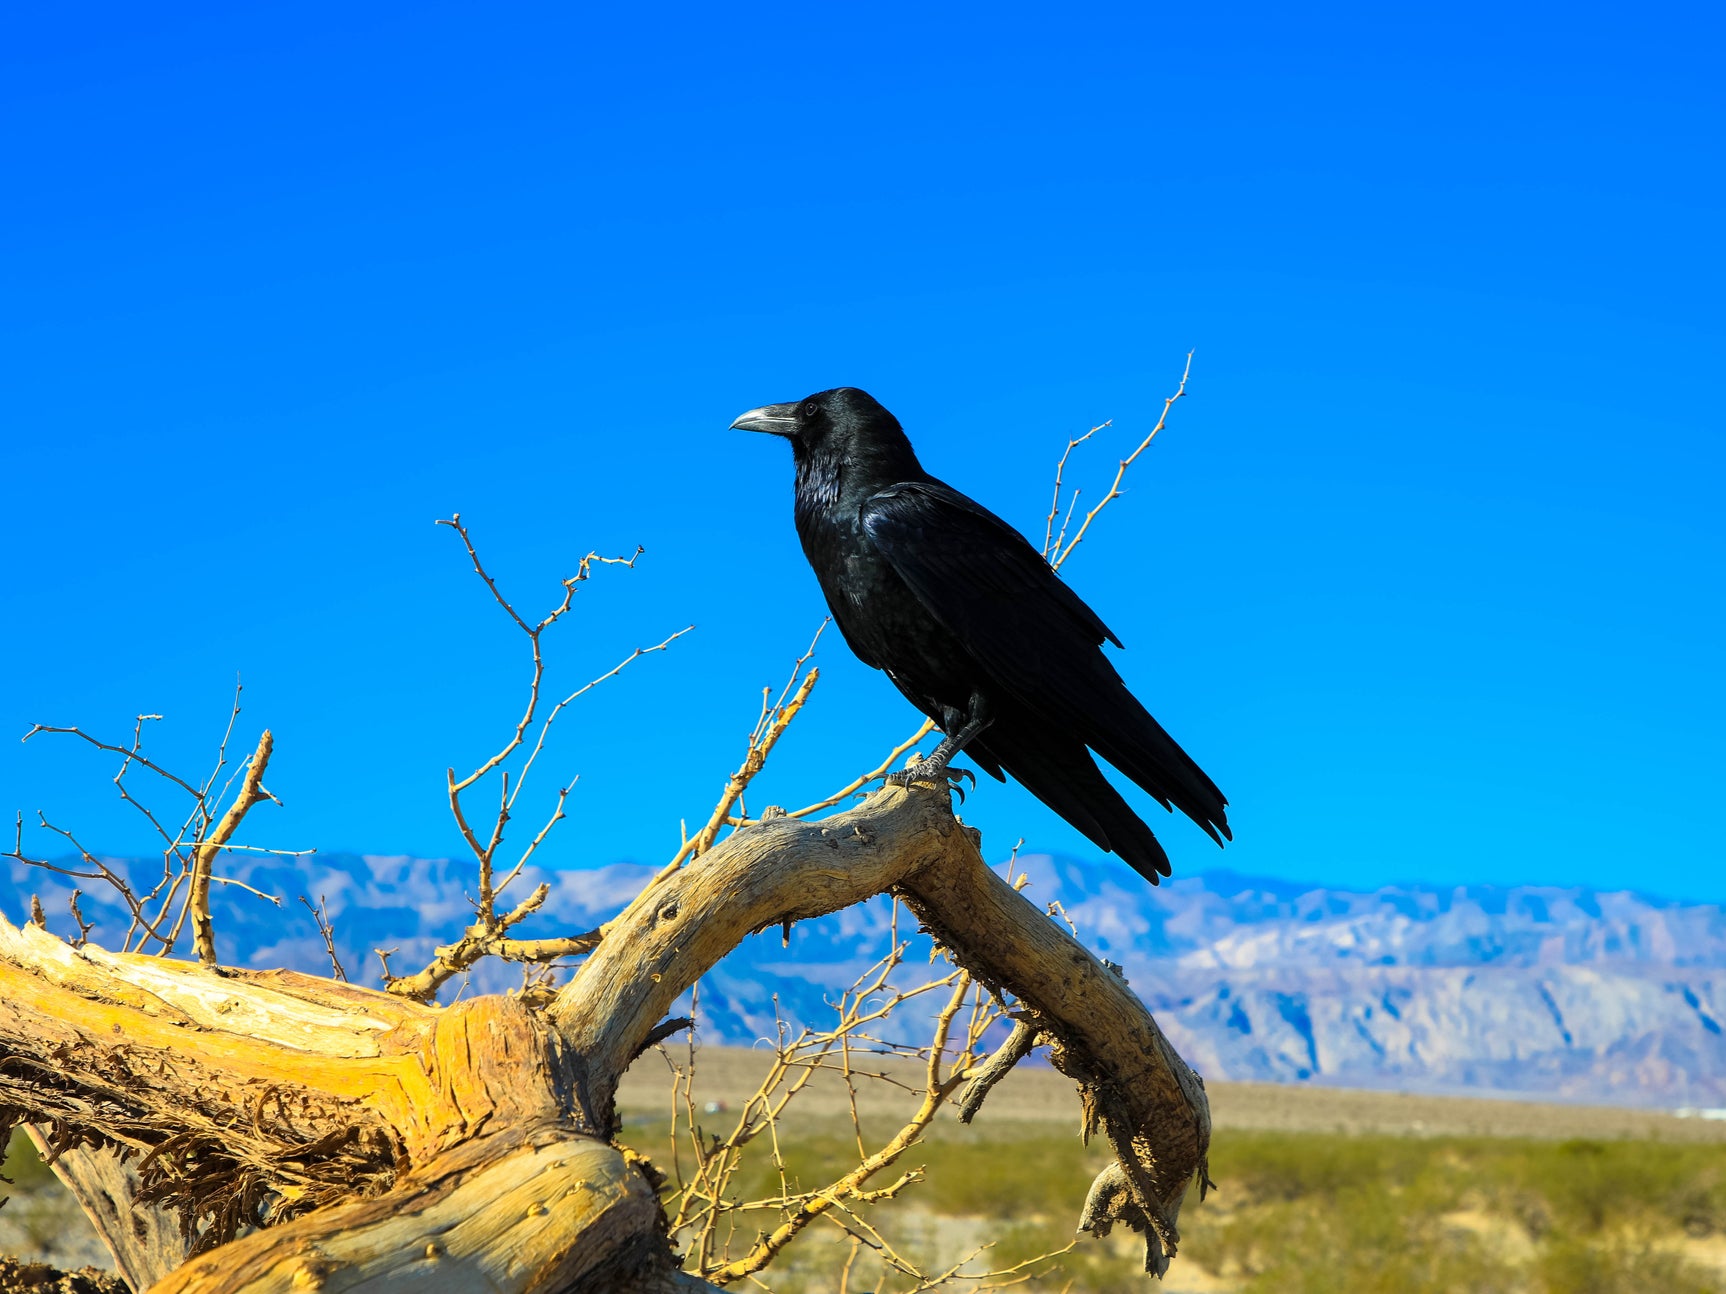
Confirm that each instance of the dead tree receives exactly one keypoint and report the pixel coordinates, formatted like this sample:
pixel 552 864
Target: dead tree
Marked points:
pixel 240 1130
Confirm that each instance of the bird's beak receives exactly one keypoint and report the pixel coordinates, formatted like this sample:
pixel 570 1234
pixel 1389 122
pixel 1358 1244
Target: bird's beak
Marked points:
pixel 777 419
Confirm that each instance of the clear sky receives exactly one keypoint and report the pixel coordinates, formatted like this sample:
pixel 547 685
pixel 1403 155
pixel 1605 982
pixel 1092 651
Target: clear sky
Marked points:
pixel 1426 572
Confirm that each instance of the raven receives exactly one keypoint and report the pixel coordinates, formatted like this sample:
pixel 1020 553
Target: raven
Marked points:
pixel 976 629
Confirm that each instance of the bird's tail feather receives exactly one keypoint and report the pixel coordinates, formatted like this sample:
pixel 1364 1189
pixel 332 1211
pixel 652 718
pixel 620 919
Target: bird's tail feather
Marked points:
pixel 1063 776
pixel 1128 737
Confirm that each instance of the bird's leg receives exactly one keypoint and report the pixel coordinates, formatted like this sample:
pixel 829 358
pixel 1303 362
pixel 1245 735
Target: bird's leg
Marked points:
pixel 967 725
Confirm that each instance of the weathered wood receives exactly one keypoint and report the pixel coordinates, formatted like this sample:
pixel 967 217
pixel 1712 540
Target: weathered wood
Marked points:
pixel 1132 1083
pixel 1020 1043
pixel 387 1145
pixel 549 1212
pixel 146 1242
pixel 429 1075
pixel 780 870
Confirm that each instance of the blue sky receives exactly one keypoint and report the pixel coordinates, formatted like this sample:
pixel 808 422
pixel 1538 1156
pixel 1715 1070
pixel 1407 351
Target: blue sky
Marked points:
pixel 1426 572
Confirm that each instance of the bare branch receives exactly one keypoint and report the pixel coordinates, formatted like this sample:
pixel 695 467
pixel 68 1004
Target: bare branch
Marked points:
pixel 775 718
pixel 132 756
pixel 1020 1043
pixel 863 780
pixel 320 915
pixel 253 890
pixel 1060 468
pixel 486 936
pixel 1125 463
pixel 488 939
pixel 101 871
pixel 533 633
pixel 1067 519
pixel 551 718
pixel 84 927
pixel 198 896
pixel 753 762
pixel 1144 1098
pixel 813 1205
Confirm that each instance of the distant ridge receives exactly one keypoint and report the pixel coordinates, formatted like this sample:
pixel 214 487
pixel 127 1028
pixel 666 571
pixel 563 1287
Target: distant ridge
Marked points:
pixel 1559 992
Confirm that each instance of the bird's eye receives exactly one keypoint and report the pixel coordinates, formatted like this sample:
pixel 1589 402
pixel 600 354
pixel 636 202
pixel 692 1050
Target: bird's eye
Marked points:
pixel 811 409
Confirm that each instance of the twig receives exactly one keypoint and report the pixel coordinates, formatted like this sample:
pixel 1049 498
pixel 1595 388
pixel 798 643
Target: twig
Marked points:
pixel 252 889
pixel 102 871
pixel 1125 463
pixel 935 1093
pixel 1067 519
pixel 131 755
pixel 1060 468
pixel 84 927
pixel 319 914
pixel 198 897
pixel 490 939
pixel 583 571
pixel 264 849
pixel 770 726
pixel 487 935
pixel 753 763
pixel 875 774
pixel 563 792
pixel 182 892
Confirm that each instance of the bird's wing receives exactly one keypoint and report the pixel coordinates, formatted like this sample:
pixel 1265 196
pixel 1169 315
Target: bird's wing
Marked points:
pixel 936 537
pixel 1031 634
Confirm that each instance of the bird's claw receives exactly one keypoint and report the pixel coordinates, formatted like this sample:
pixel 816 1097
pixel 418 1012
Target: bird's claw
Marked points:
pixel 928 771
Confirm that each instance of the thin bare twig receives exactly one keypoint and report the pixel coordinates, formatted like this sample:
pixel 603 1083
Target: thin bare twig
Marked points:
pixel 808 1209
pixel 321 916
pixel 706 1206
pixel 754 761
pixel 188 852
pixel 583 571
pixel 84 927
pixel 1121 469
pixel 101 872
pixel 770 726
pixel 875 774
pixel 131 754
pixel 488 935
pixel 1060 469
pixel 483 853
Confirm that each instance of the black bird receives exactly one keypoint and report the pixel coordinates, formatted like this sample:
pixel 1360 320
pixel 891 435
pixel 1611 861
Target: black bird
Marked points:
pixel 976 629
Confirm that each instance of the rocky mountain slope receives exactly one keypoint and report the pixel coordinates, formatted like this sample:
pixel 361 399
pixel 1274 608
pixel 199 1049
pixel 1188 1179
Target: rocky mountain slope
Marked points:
pixel 1567 993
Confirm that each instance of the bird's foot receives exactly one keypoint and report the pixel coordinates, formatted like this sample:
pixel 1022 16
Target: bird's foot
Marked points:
pixel 929 770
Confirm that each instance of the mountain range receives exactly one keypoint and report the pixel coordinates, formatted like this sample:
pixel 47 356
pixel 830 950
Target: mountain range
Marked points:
pixel 1563 993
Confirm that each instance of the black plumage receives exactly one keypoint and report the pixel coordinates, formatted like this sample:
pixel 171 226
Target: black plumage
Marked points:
pixel 975 628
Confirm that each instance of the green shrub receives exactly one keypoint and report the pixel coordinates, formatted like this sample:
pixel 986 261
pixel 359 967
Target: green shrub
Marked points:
pixel 24 1167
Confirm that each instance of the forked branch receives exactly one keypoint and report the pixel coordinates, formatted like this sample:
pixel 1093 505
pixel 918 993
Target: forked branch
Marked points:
pixel 251 792
pixel 489 934
pixel 1060 555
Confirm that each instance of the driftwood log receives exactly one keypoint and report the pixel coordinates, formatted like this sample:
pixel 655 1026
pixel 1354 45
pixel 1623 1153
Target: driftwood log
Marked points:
pixel 232 1130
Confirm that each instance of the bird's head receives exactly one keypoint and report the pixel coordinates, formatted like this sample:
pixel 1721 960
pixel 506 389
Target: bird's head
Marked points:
pixel 845 423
